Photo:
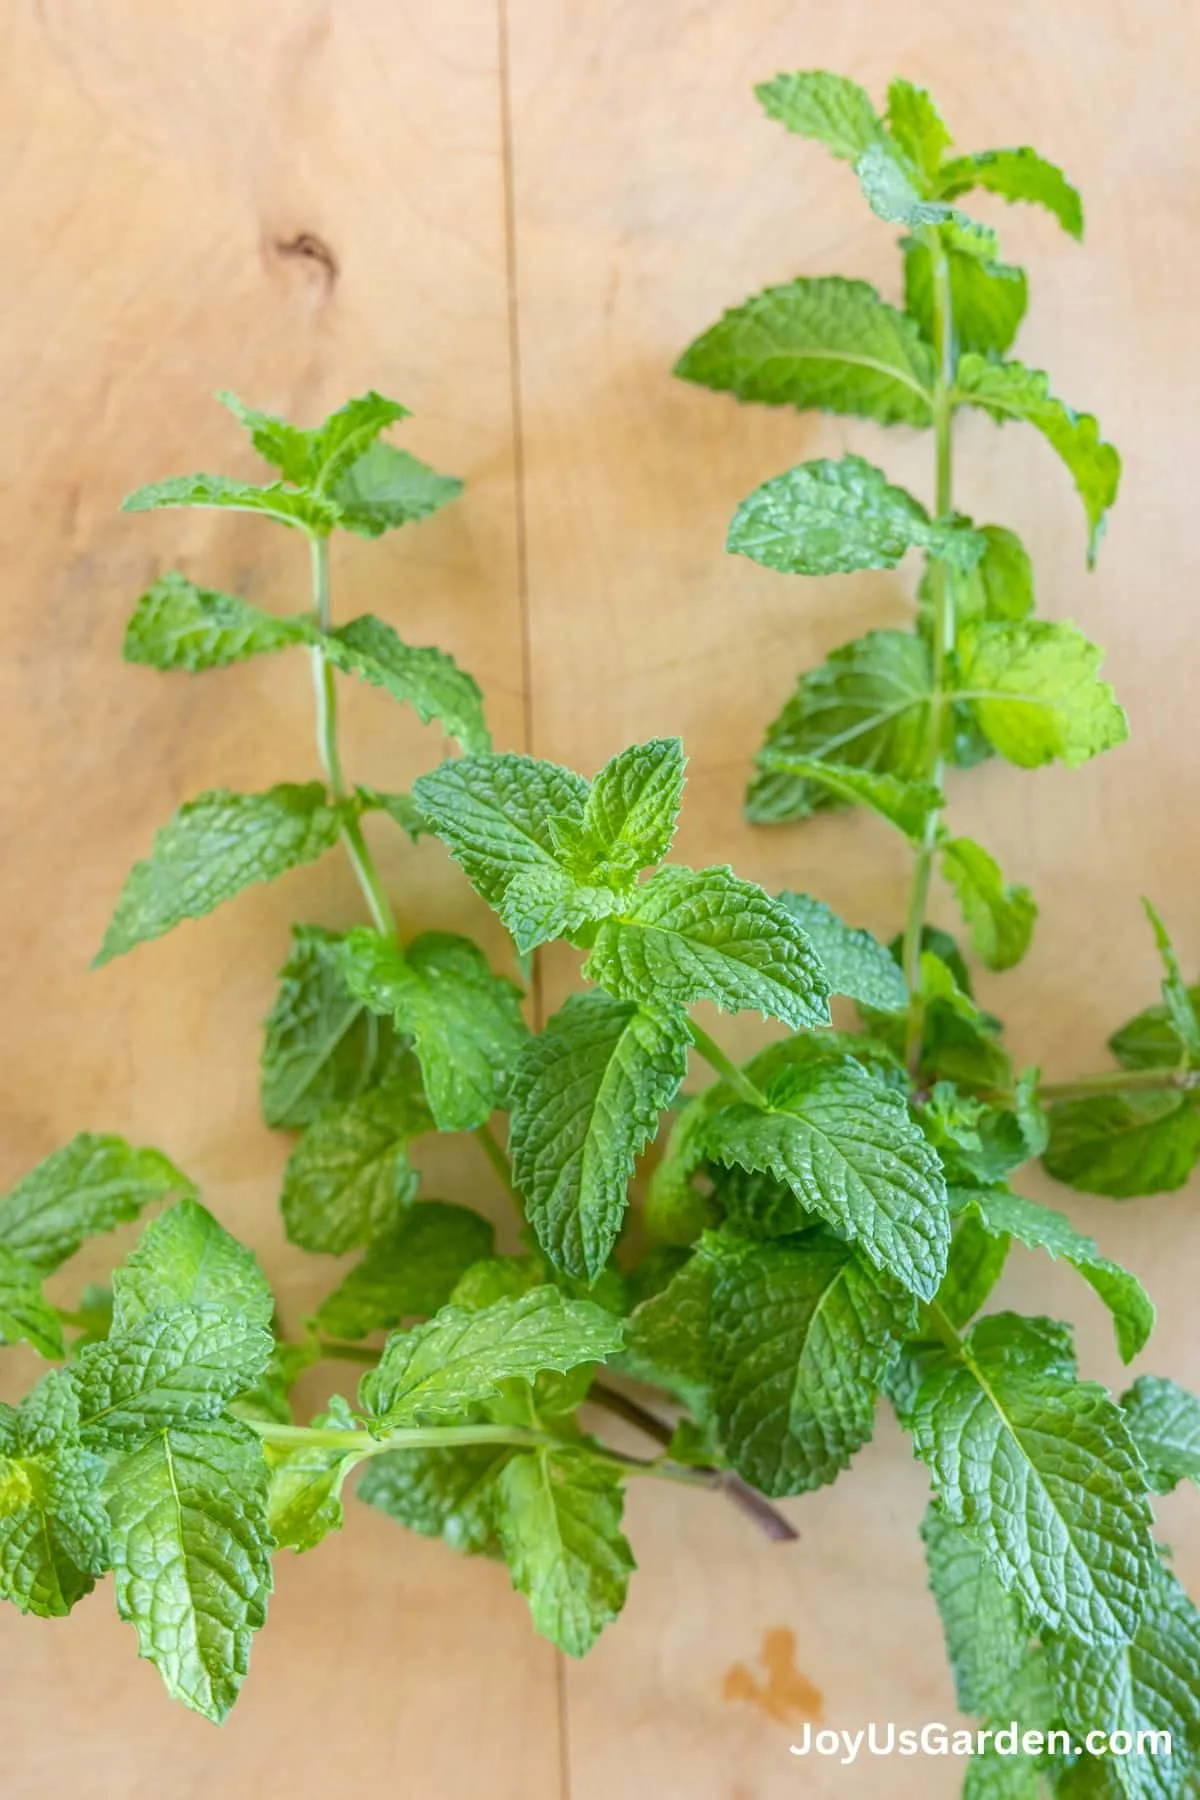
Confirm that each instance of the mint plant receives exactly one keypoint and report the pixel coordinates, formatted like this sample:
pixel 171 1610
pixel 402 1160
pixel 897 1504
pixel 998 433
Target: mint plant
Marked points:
pixel 823 1224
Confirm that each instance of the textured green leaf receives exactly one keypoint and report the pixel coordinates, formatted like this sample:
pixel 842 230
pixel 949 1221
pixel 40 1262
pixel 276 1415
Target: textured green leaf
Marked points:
pixel 317 458
pixel 893 194
pixel 387 488
pixel 321 1046
pixel 214 847
pixel 1000 917
pixel 25 1313
pixel 306 1480
pixel 1176 996
pixel 1042 1228
pixel 1000 586
pixel 502 818
pixel 179 626
pixel 867 707
pixel 980 1144
pixel 287 447
pixel 631 809
pixel 586 1096
pixel 917 126
pixel 669 1335
pixel 1124 1145
pixel 89 1186
pixel 1008 390
pixel 1146 1685
pixel 286 505
pixel 829 518
pixel 703 934
pixel 411 1271
pixel 465 1023
pixel 451 1494
pixel 802 1333
pixel 855 963
pixel 1034 687
pixel 438 1371
pixel 53 1526
pixel 425 678
pixel 191 1556
pixel 1041 1472
pixel 988 299
pixel 1150 1040
pixel 975 1264
pixel 350 1179
pixel 904 804
pixel 1016 175
pixel 186 1259
pixel 174 1366
pixel 560 1525
pixel 832 109
pixel 846 1146
pixel 986 1640
pixel 818 344
pixel 1164 1422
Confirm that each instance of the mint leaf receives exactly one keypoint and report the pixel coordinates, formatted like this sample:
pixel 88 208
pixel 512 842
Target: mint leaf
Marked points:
pixel 306 1480
pixel 214 847
pixel 502 818
pixel 1150 1040
pixel 831 109
pixel 1164 1422
pixel 824 344
pixel 309 512
pixel 191 1556
pixel 586 1096
pixel 91 1185
pixel 321 1045
pixel 1035 690
pixel 1123 1145
pixel 1015 175
pixel 179 626
pixel 1008 390
pixel 386 488
pixel 904 804
pixel 25 1313
pixel 846 1147
pixel 855 963
pixel 53 1526
pixel 318 457
pixel 559 1517
pixel 988 299
pixel 631 810
pixel 1000 586
pixel 702 934
pixel 465 1023
pixel 1176 996
pixel 285 446
pixel 668 1335
pixel 172 1366
pixel 1041 1228
pixel 866 707
pixel 829 518
pixel 350 1179
pixel 402 809
pixel 894 195
pixel 802 1333
pixel 425 678
pixel 986 1640
pixel 450 1494
pixel 438 1371
pixel 186 1259
pixel 917 126
pixel 1000 917
pixel 412 1270
pixel 974 1266
pixel 1146 1685
pixel 1041 1472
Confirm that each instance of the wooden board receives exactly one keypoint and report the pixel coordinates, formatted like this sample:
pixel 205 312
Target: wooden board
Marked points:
pixel 301 201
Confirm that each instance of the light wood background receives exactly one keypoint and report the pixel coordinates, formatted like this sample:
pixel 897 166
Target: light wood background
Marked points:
pixel 514 223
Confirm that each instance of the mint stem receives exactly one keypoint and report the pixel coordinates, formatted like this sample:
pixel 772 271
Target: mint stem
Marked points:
pixel 943 643
pixel 728 1070
pixel 376 898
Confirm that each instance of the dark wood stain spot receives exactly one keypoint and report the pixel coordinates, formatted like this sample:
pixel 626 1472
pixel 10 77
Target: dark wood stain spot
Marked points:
pixel 782 1692
pixel 311 248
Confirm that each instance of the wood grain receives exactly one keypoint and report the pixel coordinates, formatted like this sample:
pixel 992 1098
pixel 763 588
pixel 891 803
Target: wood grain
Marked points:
pixel 300 201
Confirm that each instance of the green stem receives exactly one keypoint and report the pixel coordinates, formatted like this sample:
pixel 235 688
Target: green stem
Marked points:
pixel 327 743
pixel 943 640
pixel 716 1058
pixel 1119 1081
pixel 939 1326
